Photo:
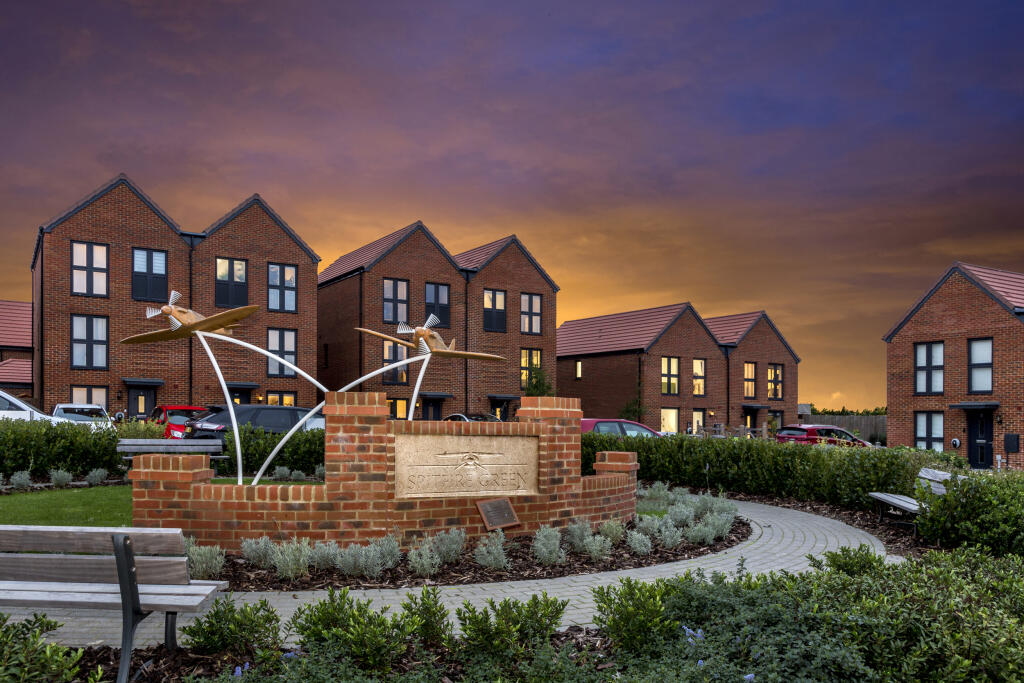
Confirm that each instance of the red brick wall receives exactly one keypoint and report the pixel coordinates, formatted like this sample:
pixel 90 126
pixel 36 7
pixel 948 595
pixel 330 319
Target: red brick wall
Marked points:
pixel 339 343
pixel 608 383
pixel 255 236
pixel 956 312
pixel 357 502
pixel 512 272
pixel 762 345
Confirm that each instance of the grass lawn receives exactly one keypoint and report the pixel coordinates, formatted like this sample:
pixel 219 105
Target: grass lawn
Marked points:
pixel 100 506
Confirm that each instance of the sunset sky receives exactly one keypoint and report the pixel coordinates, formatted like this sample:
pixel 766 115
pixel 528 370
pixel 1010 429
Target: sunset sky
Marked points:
pixel 824 161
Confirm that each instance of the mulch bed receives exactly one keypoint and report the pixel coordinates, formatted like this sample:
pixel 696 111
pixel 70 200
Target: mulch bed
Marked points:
pixel 897 539
pixel 242 577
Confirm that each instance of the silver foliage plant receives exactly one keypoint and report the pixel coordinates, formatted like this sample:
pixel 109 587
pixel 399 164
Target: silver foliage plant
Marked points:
pixel 96 476
pixel 60 478
pixel 291 560
pixel 597 547
pixel 424 561
pixel 21 481
pixel 490 552
pixel 576 535
pixel 390 551
pixel 324 555
pixel 282 472
pixel 547 546
pixel 204 561
pixel 612 530
pixel 259 552
pixel 449 545
pixel 669 535
pixel 639 543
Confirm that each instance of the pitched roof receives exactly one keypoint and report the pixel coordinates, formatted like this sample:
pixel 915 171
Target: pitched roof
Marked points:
pixel 16 323
pixel 16 371
pixel 730 329
pixel 476 259
pixel 258 200
pixel 366 256
pixel 1006 287
pixel 616 332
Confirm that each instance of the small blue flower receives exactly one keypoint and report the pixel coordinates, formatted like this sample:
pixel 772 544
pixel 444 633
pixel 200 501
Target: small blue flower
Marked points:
pixel 700 662
pixel 748 677
pixel 246 666
pixel 290 654
pixel 700 634
pixel 238 672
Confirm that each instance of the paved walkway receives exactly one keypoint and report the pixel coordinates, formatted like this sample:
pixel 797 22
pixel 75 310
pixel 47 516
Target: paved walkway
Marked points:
pixel 781 539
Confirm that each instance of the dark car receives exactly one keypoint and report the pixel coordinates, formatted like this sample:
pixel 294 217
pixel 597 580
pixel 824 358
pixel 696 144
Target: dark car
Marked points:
pixel 616 427
pixel 472 417
pixel 818 434
pixel 215 423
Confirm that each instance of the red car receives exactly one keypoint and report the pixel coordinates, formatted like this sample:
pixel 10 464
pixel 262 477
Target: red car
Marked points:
pixel 818 434
pixel 616 427
pixel 175 418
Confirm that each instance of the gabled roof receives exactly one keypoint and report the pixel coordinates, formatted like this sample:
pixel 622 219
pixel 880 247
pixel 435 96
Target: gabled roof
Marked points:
pixel 1006 287
pixel 368 255
pixel 120 179
pixel 629 331
pixel 730 330
pixel 476 259
pixel 16 323
pixel 258 200
pixel 16 371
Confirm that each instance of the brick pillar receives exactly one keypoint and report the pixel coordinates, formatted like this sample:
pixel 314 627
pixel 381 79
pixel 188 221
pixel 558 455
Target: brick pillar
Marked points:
pixel 611 462
pixel 359 459
pixel 162 488
pixel 558 466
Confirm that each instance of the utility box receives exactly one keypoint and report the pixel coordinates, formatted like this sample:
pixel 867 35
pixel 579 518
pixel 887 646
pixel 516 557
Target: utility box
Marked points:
pixel 1011 443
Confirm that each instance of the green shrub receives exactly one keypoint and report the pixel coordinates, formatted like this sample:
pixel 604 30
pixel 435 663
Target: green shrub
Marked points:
pixel 490 552
pixel 304 451
pixel 38 446
pixel 511 627
pixel 21 481
pixel 984 509
pixel 432 626
pixel 204 561
pixel 238 631
pixel 60 479
pixel 26 656
pixel 850 561
pixel 96 476
pixel 547 546
pixel 612 530
pixel 632 614
pixel 139 429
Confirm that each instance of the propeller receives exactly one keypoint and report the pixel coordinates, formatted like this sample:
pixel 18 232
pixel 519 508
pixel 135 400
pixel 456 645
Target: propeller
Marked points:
pixel 405 328
pixel 152 311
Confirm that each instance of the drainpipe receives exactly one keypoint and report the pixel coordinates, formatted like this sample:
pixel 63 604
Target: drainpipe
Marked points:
pixel 360 337
pixel 465 342
pixel 191 286
pixel 728 389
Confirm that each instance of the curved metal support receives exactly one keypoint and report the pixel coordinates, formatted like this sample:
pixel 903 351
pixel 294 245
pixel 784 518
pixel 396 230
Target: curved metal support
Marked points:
pixel 268 354
pixel 380 371
pixel 416 390
pixel 284 439
pixel 227 399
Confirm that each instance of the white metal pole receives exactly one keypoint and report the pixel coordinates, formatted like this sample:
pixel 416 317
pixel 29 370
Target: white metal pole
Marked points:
pixel 416 390
pixel 268 354
pixel 280 444
pixel 227 397
pixel 396 364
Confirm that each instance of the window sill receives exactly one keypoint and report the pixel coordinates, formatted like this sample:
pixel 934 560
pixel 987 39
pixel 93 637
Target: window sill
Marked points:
pixel 281 310
pixel 930 393
pixel 980 393
pixel 91 296
pixel 158 300
pixel 496 331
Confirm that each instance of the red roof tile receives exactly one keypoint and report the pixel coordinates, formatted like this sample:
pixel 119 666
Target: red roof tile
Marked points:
pixel 474 258
pixel 616 332
pixel 16 371
pixel 1005 284
pixel 16 323
pixel 366 255
pixel 729 329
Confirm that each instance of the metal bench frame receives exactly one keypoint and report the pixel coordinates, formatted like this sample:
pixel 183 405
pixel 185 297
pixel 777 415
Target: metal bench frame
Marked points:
pixel 934 479
pixel 176 446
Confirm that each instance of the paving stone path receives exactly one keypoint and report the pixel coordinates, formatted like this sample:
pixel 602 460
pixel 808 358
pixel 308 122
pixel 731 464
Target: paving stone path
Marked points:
pixel 781 539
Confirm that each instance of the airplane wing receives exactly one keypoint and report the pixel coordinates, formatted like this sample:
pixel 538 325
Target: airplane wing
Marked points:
pixel 448 353
pixel 215 322
pixel 159 335
pixel 387 337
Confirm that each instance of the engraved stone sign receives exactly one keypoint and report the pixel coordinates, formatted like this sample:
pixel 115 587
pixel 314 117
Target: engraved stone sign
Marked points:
pixel 452 466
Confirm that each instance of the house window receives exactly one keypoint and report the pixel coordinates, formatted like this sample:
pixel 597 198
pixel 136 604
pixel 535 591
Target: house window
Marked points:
pixel 928 431
pixel 698 420
pixel 396 301
pixel 529 313
pixel 281 343
pixel 529 364
pixel 149 275
pixel 670 420
pixel 579 369
pixel 232 287
pixel 438 303
pixel 669 376
pixel 750 380
pixel 979 366
pixel 89 342
pixel 282 287
pixel 280 398
pixel 392 353
pixel 928 365
pixel 699 369
pixel 774 381
pixel 494 310
pixel 88 269
pixel 398 408
pixel 93 395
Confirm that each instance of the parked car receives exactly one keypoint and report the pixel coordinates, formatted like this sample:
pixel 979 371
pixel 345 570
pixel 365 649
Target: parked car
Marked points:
pixel 472 417
pixel 13 408
pixel 88 413
pixel 174 417
pixel 616 427
pixel 215 421
pixel 818 434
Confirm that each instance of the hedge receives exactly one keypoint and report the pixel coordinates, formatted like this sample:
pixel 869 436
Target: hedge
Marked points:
pixel 986 509
pixel 39 446
pixel 842 476
pixel 304 451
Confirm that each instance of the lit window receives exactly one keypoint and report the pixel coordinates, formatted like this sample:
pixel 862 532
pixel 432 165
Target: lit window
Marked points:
pixel 149 275
pixel 579 369
pixel 393 353
pixel 979 366
pixel 670 420
pixel 698 420
pixel 750 380
pixel 669 376
pixel 280 398
pixel 529 364
pixel 699 370
pixel 494 310
pixel 529 313
pixel 396 301
pixel 231 289
pixel 92 395
pixel 928 368
pixel 775 381
pixel 928 430
pixel 281 343
pixel 89 342
pixel 282 287
pixel 398 408
pixel 88 269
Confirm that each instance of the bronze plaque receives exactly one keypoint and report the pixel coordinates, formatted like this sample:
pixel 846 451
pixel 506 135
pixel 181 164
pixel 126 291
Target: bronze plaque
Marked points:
pixel 497 513
pixel 450 466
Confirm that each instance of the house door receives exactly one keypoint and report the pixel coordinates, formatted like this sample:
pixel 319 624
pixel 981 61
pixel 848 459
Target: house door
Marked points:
pixel 241 396
pixel 750 418
pixel 141 402
pixel 979 439
pixel 431 409
pixel 500 409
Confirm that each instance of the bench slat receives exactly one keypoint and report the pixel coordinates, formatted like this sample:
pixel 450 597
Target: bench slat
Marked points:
pixel 89 568
pixel 897 501
pixel 150 603
pixel 94 539
pixel 192 588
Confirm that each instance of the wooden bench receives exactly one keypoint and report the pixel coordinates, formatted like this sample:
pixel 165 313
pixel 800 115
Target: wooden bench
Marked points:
pixel 139 571
pixel 180 446
pixel 933 479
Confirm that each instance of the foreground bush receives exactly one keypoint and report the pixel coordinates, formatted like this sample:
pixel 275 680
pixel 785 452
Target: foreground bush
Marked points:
pixel 843 476
pixel 26 656
pixel 39 447
pixel 984 509
pixel 304 451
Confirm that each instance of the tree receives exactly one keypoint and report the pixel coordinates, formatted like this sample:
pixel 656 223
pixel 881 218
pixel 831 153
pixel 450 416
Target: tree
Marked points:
pixel 538 384
pixel 634 410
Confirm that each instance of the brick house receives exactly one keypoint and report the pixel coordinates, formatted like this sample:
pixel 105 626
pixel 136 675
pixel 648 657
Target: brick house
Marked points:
pixel 409 274
pixel 16 348
pixel 664 358
pixel 96 268
pixel 953 367
pixel 761 368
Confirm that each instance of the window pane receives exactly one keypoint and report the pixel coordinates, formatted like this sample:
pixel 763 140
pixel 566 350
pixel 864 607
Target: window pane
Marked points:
pixel 488 299
pixel 79 327
pixel 272 340
pixel 921 444
pixel 524 302
pixel 403 312
pixel 99 256
pixel 937 380
pixel 289 340
pixel 536 324
pixel 402 288
pixel 78 282
pixel 289 300
pixel 79 394
pixel 139 261
pixel 524 322
pixel 389 311
pixel 239 271
pixel 99 355
pixel 981 379
pixel 99 396
pixel 499 300
pixel 921 426
pixel 78 356
pixel 273 299
pixel 921 382
pixel 274 275
pixel 273 398
pixel 99 282
pixel 937 350
pixel 442 295
pixel 430 293
pixel 273 367
pixel 289 399
pixel 698 419
pixel 222 269
pixel 289 276
pixel 669 420
pixel 937 425
pixel 78 254
pixel 981 351
pixel 159 263
pixel 675 366
pixel 698 367
pixel 99 329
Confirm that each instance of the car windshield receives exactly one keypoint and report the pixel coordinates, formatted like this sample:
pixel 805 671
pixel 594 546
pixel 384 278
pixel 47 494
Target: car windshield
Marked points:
pixel 607 428
pixel 215 415
pixel 178 416
pixel 791 431
pixel 83 414
pixel 636 430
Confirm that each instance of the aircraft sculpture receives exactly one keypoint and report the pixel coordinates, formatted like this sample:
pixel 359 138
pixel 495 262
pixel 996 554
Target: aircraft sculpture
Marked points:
pixel 184 321
pixel 426 340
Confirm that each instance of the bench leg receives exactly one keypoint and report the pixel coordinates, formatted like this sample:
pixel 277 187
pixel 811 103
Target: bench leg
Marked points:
pixel 171 631
pixel 129 624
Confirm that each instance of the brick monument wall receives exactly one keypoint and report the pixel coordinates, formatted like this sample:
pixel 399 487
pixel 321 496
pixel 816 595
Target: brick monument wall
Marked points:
pixel 358 500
